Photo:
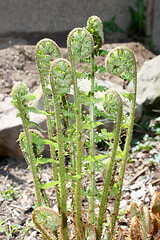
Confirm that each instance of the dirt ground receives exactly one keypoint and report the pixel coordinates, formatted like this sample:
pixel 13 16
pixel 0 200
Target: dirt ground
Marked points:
pixel 17 63
pixel 141 177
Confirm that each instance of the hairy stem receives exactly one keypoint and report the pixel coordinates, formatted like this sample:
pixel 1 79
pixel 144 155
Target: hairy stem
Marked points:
pixel 61 165
pixel 43 49
pixel 105 193
pixel 60 79
pixel 121 60
pixel 79 151
pixel 92 143
pixel 31 157
pixel 71 149
pixel 20 92
pixel 80 45
pixel 95 27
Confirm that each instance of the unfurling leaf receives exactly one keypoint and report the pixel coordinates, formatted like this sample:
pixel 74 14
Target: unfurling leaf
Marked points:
pixel 46 220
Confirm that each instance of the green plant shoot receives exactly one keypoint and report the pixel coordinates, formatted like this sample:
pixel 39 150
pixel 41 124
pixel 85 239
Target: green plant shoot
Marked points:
pixel 57 75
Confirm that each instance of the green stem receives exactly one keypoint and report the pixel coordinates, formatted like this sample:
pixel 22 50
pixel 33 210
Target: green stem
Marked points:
pixel 80 45
pixel 128 70
pixel 53 156
pixel 92 144
pixel 30 153
pixel 95 27
pixel 45 198
pixel 40 55
pixel 79 149
pixel 126 152
pixel 71 149
pixel 105 194
pixel 60 155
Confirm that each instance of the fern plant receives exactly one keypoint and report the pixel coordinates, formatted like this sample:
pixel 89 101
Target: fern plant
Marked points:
pixel 57 75
pixel 143 223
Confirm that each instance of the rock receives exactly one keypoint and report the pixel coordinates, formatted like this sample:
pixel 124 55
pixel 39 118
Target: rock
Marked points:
pixel 11 126
pixel 84 85
pixel 148 89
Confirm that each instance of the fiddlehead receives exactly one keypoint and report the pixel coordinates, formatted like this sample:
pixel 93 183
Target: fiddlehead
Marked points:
pixel 121 61
pixel 89 232
pixel 135 229
pixel 146 223
pixel 95 27
pixel 155 204
pixel 133 210
pixel 60 80
pixel 143 224
pixel 112 105
pixel 80 45
pixel 46 51
pixel 61 76
pixel 47 221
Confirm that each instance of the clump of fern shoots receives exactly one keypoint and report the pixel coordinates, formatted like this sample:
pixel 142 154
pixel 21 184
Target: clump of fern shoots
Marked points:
pixel 57 75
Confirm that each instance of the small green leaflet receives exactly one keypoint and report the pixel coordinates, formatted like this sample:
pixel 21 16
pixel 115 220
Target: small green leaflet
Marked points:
pixel 114 190
pixel 100 69
pixel 46 160
pixel 128 95
pixel 35 110
pixel 96 158
pixel 100 88
pixel 29 97
pixel 102 52
pixel 44 141
pixel 36 125
pixel 90 125
pixel 77 176
pixel 49 185
pixel 120 153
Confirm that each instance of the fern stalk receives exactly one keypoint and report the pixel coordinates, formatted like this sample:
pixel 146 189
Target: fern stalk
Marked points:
pixel 112 95
pixel 121 60
pixel 43 49
pixel 71 149
pixel 95 27
pixel 19 94
pixel 31 157
pixel 92 143
pixel 60 79
pixel 79 151
pixel 61 164
pixel 80 45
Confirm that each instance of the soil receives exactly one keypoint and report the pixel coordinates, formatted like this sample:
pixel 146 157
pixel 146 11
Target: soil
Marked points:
pixel 17 63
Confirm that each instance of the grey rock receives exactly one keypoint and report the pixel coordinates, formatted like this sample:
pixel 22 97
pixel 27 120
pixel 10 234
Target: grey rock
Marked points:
pixel 11 126
pixel 148 87
pixel 84 85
